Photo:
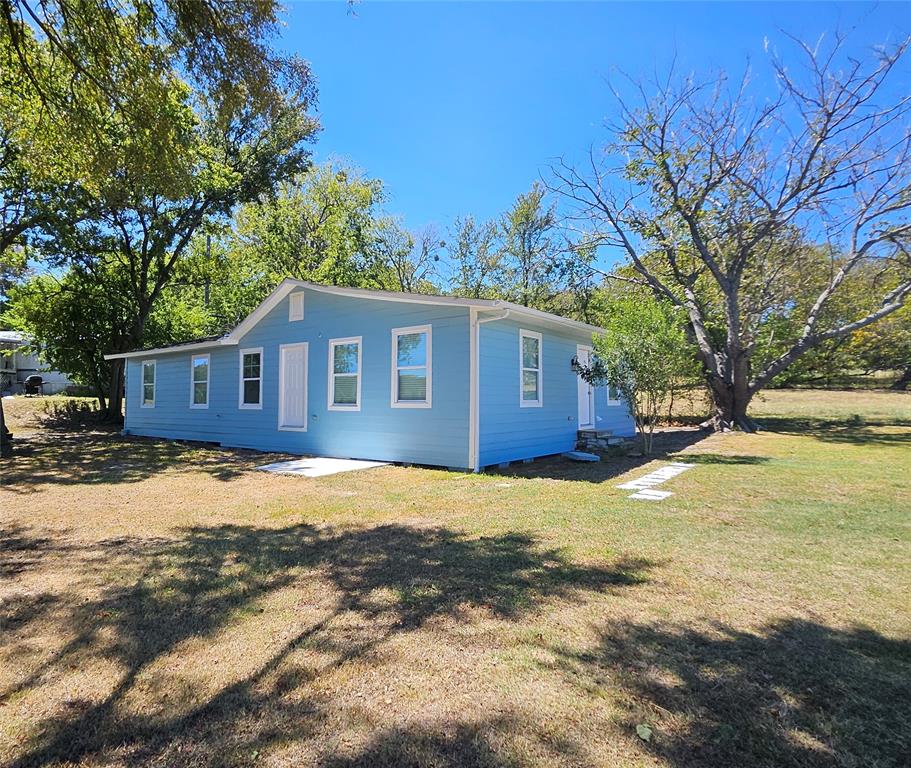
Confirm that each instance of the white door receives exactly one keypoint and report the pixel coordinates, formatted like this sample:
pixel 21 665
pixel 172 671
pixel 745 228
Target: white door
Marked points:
pixel 292 387
pixel 586 392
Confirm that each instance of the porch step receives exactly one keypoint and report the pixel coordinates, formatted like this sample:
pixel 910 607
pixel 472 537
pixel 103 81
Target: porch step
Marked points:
pixel 594 434
pixel 597 439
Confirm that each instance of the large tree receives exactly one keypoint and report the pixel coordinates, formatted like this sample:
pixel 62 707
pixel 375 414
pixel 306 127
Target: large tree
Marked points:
pixel 318 227
pixel 533 250
pixel 475 258
pixel 74 319
pixel 141 217
pixel 713 195
pixel 224 49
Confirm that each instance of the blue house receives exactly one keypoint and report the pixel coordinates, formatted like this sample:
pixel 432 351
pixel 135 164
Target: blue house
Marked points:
pixel 347 372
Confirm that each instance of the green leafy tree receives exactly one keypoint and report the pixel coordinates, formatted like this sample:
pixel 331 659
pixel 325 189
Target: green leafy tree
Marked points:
pixel 405 261
pixel 886 346
pixel 644 354
pixel 72 321
pixel 476 259
pixel 318 227
pixel 533 252
pixel 142 217
pixel 97 50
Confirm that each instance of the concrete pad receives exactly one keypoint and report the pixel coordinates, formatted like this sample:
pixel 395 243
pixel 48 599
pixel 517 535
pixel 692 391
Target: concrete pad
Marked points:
pixel 319 467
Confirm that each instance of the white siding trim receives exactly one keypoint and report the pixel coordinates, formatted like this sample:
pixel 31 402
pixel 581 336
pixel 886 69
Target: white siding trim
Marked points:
pixel 473 378
pixel 394 401
pixel 332 406
pixel 540 369
pixel 142 383
pixel 240 375
pixel 208 359
pixel 474 402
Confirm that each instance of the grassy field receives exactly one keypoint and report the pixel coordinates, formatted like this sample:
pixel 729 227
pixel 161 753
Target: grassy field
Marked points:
pixel 162 604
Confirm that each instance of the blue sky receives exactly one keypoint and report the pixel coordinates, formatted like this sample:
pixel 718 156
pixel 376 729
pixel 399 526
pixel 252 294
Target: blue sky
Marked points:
pixel 459 107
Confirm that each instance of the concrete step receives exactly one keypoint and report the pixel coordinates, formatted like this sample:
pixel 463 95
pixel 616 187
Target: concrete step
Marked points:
pixel 594 434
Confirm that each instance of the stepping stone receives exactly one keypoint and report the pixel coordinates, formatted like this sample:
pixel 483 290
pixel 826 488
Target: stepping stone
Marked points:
pixel 656 477
pixel 650 494
pixel 581 456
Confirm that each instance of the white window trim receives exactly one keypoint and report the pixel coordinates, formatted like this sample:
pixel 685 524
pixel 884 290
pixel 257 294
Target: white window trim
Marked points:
pixel 540 369
pixel 333 343
pixel 142 383
pixel 295 306
pixel 240 387
pixel 394 401
pixel 193 359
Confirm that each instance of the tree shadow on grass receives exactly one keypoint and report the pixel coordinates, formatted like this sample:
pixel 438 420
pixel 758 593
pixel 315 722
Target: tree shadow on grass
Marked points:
pixel 71 458
pixel 796 693
pixel 721 458
pixel 460 745
pixel 392 579
pixel 894 432
pixel 21 549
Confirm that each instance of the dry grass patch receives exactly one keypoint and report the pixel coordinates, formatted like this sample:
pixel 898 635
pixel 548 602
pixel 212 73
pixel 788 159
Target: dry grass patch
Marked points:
pixel 164 604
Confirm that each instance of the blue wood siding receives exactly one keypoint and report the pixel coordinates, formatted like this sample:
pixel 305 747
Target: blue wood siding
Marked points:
pixel 509 432
pixel 438 435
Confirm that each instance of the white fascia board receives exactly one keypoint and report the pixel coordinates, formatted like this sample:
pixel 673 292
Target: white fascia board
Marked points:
pixel 549 318
pixel 176 348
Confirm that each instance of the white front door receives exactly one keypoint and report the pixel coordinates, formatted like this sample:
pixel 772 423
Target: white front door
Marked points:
pixel 586 391
pixel 292 387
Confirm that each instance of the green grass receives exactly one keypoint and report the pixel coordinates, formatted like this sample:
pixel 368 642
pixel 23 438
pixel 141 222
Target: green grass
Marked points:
pixel 162 604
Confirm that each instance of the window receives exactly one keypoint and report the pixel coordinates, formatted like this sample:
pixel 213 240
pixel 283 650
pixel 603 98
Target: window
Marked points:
pixel 296 306
pixel 613 395
pixel 411 367
pixel 345 374
pixel 530 383
pixel 251 378
pixel 148 383
pixel 199 381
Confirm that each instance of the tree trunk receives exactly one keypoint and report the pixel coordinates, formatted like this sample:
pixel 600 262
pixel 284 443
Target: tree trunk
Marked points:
pixel 6 439
pixel 729 405
pixel 114 413
pixel 903 381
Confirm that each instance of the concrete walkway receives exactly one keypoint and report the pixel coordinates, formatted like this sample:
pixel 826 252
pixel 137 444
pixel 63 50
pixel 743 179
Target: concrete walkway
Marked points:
pixel 319 467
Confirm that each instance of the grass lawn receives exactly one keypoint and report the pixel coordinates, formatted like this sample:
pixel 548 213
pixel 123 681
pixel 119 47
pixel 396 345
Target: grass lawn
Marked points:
pixel 162 604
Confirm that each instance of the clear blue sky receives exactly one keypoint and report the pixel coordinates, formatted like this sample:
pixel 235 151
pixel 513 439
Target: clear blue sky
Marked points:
pixel 459 107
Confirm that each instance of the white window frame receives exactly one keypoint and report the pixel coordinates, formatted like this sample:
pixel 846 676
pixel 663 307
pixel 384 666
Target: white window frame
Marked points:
pixel 394 399
pixel 240 373
pixel 523 403
pixel 333 343
pixel 193 359
pixel 142 383
pixel 295 306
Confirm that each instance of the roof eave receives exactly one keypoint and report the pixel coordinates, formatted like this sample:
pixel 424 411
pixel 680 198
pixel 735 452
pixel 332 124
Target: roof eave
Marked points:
pixel 224 340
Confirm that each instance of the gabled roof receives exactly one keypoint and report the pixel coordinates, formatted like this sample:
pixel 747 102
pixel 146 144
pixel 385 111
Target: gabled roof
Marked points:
pixel 288 285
